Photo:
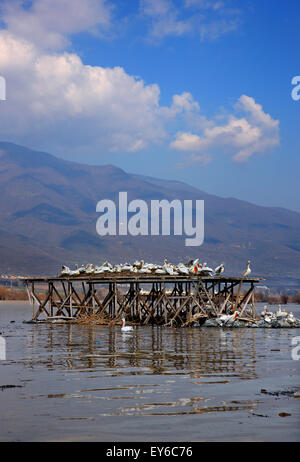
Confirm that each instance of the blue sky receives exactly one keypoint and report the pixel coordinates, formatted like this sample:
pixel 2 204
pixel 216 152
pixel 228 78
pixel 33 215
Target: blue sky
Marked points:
pixel 193 90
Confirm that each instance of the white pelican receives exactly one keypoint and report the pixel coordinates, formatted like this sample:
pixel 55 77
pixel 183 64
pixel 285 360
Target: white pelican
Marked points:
pixel 127 267
pixel 182 269
pixel 247 270
pixel 291 318
pixel 168 267
pixel 281 314
pixel 205 270
pixel 125 328
pixel 219 269
pixel 265 311
pixel 229 318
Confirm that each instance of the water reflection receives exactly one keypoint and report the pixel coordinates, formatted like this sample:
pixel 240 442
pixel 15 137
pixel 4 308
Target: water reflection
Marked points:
pixel 146 350
pixel 208 381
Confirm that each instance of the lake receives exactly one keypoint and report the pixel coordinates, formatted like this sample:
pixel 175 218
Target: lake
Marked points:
pixel 63 382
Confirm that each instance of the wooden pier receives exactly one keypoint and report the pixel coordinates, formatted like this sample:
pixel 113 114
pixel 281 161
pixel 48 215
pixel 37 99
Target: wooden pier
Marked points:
pixel 142 299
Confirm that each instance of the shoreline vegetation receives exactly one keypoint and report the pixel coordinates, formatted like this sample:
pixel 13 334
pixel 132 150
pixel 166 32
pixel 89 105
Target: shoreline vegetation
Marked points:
pixel 259 297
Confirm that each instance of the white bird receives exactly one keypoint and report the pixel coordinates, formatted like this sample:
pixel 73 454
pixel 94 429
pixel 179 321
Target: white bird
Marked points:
pixel 125 328
pixel 281 314
pixel 168 267
pixel 291 318
pixel 205 270
pixel 247 270
pixel 264 312
pixel 267 318
pixel 182 269
pixel 126 267
pixel 219 269
pixel 228 318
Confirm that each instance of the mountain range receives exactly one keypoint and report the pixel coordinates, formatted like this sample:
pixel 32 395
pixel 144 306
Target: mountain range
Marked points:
pixel 48 218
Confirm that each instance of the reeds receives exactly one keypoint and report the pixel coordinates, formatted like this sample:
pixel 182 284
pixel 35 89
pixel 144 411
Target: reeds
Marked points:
pixel 12 294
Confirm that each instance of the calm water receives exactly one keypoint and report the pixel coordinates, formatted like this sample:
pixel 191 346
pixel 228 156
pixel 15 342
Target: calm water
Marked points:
pixel 81 383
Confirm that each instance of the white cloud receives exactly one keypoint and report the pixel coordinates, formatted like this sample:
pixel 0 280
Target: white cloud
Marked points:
pixel 241 137
pixel 49 23
pixel 57 100
pixel 58 93
pixel 209 19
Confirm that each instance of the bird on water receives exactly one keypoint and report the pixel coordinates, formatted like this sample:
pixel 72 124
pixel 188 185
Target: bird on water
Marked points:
pixel 125 328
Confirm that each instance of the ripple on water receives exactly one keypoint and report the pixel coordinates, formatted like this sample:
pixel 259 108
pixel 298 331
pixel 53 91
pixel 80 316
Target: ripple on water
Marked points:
pixel 82 374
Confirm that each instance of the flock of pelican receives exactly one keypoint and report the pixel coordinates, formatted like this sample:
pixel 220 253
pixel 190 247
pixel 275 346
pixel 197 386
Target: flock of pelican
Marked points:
pixel 281 317
pixel 192 267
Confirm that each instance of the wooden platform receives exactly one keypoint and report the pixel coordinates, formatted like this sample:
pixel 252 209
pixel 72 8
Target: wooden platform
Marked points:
pixel 141 298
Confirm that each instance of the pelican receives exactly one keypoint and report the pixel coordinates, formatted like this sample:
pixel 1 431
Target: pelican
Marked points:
pixel 247 270
pixel 127 267
pixel 219 269
pixel 182 269
pixel 291 318
pixel 125 328
pixel 281 314
pixel 168 267
pixel 265 311
pixel 229 318
pixel 65 270
pixel 205 270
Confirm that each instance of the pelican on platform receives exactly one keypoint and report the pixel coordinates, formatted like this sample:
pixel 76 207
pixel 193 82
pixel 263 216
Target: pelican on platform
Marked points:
pixel 205 270
pixel 247 270
pixel 219 269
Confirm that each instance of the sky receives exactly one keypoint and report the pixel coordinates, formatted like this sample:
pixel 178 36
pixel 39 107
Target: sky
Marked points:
pixel 193 90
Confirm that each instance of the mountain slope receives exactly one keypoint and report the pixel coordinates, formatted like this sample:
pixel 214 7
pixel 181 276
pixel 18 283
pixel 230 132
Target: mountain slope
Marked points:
pixel 48 218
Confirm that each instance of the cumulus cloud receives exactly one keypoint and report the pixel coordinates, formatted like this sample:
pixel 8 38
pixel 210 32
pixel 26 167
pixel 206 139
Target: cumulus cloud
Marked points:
pixel 65 101
pixel 59 102
pixel 56 90
pixel 49 23
pixel 242 137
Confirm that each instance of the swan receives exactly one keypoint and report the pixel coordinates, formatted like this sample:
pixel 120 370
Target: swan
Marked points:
pixel 125 328
pixel 247 270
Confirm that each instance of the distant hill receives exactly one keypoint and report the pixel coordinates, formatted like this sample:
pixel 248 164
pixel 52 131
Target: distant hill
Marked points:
pixel 48 218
